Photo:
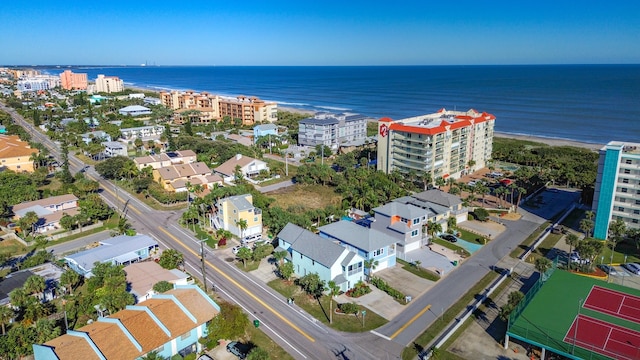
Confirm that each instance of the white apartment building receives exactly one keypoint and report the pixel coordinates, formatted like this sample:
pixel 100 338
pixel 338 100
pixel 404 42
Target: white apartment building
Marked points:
pixel 333 130
pixel 444 144
pixel 109 84
pixel 38 82
pixel 617 190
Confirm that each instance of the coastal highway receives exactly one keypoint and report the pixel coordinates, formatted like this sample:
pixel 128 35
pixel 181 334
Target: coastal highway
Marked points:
pixel 297 332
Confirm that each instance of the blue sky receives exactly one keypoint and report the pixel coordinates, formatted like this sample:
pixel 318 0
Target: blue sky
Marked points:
pixel 312 32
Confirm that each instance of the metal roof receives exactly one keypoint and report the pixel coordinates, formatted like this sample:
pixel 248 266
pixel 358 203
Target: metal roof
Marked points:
pixel 363 238
pixel 111 249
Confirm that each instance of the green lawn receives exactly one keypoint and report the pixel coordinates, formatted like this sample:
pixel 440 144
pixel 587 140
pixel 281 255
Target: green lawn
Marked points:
pixel 422 272
pixel 261 340
pixel 320 310
pixel 622 249
pixel 529 240
pixel 471 237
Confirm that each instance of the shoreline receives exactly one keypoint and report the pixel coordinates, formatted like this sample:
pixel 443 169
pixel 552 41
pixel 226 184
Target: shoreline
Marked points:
pixel 535 138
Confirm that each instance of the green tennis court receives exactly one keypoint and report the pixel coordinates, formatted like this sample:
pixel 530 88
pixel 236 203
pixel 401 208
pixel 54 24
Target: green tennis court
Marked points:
pixel 547 313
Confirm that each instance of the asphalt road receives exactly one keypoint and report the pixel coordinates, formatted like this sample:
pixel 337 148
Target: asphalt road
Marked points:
pixel 77 244
pixel 297 332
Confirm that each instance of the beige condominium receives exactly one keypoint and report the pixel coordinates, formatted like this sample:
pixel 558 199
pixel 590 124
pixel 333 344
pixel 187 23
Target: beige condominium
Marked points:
pixel 444 144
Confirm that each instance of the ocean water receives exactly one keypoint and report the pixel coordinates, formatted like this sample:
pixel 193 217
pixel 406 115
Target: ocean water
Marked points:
pixel 590 103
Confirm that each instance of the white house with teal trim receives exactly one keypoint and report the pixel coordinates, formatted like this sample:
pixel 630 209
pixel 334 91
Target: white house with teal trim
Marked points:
pixel 169 324
pixel 370 244
pixel 617 190
pixel 310 254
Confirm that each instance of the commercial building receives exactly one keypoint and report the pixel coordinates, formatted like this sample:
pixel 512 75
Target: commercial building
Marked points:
pixel 167 324
pixel 446 143
pixel 206 107
pixel 617 191
pixel 73 81
pixel 333 130
pixel 15 154
pixel 109 84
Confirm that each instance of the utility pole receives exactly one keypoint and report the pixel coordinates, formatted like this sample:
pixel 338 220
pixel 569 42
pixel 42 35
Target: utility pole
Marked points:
pixel 286 163
pixel 204 274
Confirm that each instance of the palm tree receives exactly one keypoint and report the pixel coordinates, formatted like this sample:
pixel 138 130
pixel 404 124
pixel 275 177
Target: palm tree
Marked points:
pixel 242 224
pixel 572 240
pixel 6 315
pixel 521 191
pixel 279 256
pixel 370 265
pixel 69 279
pixel 334 290
pixel 542 265
pixel 34 285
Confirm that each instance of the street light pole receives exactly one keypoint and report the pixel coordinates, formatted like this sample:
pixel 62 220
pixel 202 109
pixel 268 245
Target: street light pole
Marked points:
pixel 204 274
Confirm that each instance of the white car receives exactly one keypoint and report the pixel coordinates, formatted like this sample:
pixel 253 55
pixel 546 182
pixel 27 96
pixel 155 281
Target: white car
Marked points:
pixel 251 238
pixel 632 268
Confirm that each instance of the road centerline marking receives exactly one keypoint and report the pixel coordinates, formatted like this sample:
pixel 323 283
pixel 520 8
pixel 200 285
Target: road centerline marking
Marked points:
pixel 234 282
pixel 414 318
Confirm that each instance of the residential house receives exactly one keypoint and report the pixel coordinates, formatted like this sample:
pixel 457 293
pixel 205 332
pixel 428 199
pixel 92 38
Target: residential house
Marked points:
pixel 178 177
pixel 3 129
pixel 144 275
pixel 49 211
pixel 99 136
pixel 165 159
pixel 135 110
pixel 264 130
pixel 310 254
pixel 333 130
pixel 119 250
pixel 49 272
pixel 142 132
pixel 240 139
pixel 442 144
pixel 168 324
pixel 114 148
pixel 249 167
pixel 232 210
pixel 406 218
pixel 15 154
pixel 371 244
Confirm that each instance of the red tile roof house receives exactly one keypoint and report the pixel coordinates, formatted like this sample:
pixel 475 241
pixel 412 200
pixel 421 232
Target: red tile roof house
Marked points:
pixel 170 323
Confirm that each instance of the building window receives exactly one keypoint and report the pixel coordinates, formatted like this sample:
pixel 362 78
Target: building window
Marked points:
pixel 622 200
pixel 414 233
pixel 624 190
pixel 628 161
pixel 185 336
pixel 416 221
pixel 635 221
pixel 627 171
pixel 234 211
pixel 620 208
pixel 636 212
pixel 625 181
pixel 637 202
pixel 313 262
pixel 255 219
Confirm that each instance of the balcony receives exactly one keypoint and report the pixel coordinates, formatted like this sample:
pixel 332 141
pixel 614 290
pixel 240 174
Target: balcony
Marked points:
pixel 354 272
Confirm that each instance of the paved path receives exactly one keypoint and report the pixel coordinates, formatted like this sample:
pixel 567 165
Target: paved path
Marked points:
pixel 274 187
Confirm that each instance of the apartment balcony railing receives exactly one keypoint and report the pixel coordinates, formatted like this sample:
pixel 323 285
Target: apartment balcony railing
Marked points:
pixel 354 272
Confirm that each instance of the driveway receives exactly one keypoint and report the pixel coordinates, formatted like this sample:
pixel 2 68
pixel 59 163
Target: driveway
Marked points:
pixel 430 260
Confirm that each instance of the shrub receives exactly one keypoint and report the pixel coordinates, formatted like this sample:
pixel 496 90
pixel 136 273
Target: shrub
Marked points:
pixel 222 242
pixel 358 290
pixel 349 308
pixel 382 285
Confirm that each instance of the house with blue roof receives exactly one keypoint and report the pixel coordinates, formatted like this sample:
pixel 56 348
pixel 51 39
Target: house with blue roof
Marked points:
pixel 370 244
pixel 311 253
pixel 119 250
pixel 168 324
pixel 264 130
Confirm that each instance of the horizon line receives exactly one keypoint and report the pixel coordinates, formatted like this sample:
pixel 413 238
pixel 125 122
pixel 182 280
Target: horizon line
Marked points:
pixel 361 65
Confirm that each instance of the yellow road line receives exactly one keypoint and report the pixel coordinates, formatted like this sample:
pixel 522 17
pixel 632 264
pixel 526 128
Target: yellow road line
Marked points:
pixel 241 287
pixel 129 206
pixel 401 329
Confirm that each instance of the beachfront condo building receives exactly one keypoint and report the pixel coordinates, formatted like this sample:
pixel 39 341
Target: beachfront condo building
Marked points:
pixel 333 130
pixel 73 81
pixel 37 83
pixel 204 108
pixel 617 191
pixel 444 144
pixel 109 84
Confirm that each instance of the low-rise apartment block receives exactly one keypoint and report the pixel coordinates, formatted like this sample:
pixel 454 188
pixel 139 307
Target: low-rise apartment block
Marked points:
pixel 38 83
pixel 446 143
pixel 165 159
pixel 178 178
pixel 617 190
pixel 205 107
pixel 333 130
pixel 15 154
pixel 142 132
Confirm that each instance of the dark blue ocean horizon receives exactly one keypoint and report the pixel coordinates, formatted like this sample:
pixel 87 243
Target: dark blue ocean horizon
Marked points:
pixel 589 103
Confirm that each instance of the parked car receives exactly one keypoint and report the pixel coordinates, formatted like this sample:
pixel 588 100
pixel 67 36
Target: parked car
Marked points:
pixel 237 248
pixel 449 238
pixel 608 269
pixel 205 357
pixel 632 268
pixel 251 238
pixel 237 349
pixel 574 257
pixel 471 183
